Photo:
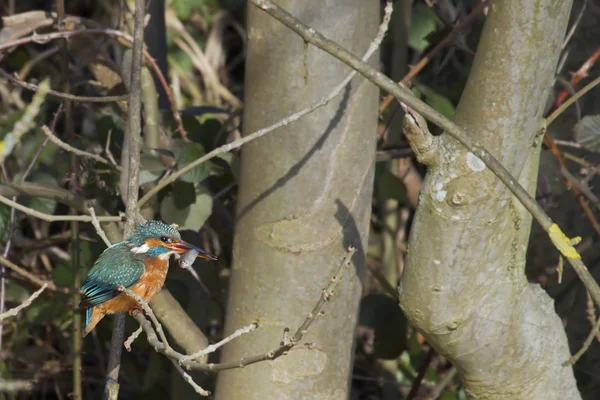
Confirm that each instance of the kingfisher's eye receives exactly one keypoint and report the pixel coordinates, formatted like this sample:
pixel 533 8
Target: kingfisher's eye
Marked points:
pixel 166 239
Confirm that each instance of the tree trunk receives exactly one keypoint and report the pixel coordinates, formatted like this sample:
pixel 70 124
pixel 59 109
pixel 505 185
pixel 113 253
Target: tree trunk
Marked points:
pixel 304 196
pixel 464 285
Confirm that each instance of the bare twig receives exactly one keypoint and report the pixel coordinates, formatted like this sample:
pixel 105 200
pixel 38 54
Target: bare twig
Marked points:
pixel 213 347
pixel 572 100
pixel 54 218
pixel 415 69
pixel 581 73
pixel 575 25
pixel 582 186
pixel 61 95
pixel 558 238
pixel 14 311
pixel 45 38
pixel 591 312
pixel 441 385
pixel 107 148
pixel 132 338
pixel 188 379
pixel 286 121
pixel 283 348
pixel 552 144
pixel 98 228
pixel 130 160
pixel 29 276
pixel 419 378
pixel 73 150
pixel 586 345
pixel 148 312
pixel 12 220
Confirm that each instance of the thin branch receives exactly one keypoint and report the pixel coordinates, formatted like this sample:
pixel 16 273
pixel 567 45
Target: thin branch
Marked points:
pixel 54 218
pixel 284 347
pixel 441 385
pixel 61 95
pixel 286 121
pixel 98 228
pixel 386 155
pixel 419 378
pixel 415 69
pixel 188 379
pixel 310 35
pixel 581 73
pixel 11 228
pixel 214 347
pixel 29 276
pixel 586 345
pixel 75 151
pixel 14 311
pixel 132 338
pixel 583 188
pixel 107 148
pixel 148 312
pixel 575 25
pixel 591 312
pixel 45 38
pixel 572 100
pixel 130 161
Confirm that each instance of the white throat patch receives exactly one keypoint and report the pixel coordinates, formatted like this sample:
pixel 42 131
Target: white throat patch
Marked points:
pixel 143 249
pixel 165 256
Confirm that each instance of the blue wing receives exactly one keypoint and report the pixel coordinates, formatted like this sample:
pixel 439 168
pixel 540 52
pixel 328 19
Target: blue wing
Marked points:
pixel 116 266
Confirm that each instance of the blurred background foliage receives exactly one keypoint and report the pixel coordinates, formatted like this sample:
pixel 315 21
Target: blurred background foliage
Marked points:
pixel 205 54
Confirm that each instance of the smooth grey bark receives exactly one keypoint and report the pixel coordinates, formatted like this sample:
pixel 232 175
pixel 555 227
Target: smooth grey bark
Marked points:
pixel 304 196
pixel 464 285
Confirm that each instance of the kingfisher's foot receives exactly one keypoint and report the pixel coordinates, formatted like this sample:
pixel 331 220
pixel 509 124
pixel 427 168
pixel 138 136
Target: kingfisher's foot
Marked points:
pixel 136 307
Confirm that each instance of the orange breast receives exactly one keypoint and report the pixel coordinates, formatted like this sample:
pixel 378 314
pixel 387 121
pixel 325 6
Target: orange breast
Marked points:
pixel 150 283
pixel 152 280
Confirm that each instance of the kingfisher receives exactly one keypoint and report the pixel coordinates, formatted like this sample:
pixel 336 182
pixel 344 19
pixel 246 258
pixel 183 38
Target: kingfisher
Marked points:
pixel 140 264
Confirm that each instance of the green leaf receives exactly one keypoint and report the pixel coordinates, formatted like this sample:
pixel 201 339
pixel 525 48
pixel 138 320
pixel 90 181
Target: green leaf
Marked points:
pixel 382 314
pixel 437 101
pixel 423 23
pixel 447 395
pixel 191 217
pixel 182 8
pixel 45 206
pixel 62 274
pixel 151 168
pixel 210 132
pixel 191 152
pixel 234 164
pixel 40 312
pixel 184 194
pixel 389 186
pixel 588 132
pixel 164 152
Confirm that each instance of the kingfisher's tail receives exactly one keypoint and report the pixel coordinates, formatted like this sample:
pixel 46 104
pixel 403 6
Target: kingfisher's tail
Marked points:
pixel 93 315
pixel 88 317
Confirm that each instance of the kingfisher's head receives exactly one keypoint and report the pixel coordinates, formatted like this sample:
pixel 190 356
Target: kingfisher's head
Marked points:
pixel 157 239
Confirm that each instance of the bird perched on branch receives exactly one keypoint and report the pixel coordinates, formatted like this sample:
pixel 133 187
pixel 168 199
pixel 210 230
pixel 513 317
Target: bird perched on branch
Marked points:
pixel 140 264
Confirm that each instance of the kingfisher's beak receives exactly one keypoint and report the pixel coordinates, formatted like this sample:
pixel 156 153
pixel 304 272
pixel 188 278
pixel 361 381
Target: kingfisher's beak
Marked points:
pixel 182 247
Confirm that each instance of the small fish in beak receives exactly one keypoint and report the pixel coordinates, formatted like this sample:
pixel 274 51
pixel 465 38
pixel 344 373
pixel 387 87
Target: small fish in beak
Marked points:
pixel 191 252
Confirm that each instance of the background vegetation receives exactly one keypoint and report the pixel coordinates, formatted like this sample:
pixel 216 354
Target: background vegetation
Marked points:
pixel 201 48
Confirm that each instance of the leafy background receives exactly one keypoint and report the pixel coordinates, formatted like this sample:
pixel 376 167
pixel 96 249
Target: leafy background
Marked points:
pixel 37 345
